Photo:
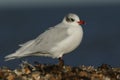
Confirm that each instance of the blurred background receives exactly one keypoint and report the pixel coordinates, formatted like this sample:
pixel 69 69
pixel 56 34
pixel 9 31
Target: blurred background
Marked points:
pixel 23 20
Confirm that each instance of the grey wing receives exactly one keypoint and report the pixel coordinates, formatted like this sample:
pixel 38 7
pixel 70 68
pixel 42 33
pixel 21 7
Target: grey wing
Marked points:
pixel 49 39
pixel 24 44
pixel 42 44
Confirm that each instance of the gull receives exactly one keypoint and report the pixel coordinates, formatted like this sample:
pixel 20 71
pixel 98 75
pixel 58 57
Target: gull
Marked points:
pixel 54 42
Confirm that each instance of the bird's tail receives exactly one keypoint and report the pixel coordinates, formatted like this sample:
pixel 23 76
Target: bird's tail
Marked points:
pixel 15 56
pixel 22 50
pixel 10 57
pixel 7 59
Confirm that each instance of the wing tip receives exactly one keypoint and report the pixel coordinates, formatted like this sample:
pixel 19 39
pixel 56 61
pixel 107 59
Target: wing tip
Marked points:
pixel 9 57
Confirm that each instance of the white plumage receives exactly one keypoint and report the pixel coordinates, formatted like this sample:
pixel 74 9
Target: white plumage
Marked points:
pixel 55 42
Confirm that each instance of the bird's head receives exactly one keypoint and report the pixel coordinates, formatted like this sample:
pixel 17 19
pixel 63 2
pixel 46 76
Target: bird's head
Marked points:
pixel 73 19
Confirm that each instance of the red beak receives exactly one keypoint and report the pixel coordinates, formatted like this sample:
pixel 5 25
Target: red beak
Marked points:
pixel 81 22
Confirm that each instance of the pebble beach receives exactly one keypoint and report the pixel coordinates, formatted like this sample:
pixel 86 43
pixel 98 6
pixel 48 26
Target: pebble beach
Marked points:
pixel 38 71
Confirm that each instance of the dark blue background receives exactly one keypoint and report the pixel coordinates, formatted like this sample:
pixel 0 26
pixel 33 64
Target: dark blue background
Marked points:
pixel 100 44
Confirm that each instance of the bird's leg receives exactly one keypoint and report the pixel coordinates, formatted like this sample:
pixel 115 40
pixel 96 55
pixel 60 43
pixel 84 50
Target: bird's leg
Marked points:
pixel 61 62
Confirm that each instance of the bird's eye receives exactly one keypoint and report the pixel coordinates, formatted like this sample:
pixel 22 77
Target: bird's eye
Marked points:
pixel 69 19
pixel 72 19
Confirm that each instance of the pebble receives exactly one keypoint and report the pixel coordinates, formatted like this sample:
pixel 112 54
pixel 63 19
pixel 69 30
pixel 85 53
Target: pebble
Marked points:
pixel 54 72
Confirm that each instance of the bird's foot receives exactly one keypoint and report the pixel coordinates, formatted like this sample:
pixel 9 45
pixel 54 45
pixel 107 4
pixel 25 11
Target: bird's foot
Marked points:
pixel 61 62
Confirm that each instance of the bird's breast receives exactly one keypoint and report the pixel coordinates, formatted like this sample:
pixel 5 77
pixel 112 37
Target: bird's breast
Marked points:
pixel 71 42
pixel 76 34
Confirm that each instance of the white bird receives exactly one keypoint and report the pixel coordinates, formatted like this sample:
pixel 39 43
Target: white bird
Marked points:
pixel 54 42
